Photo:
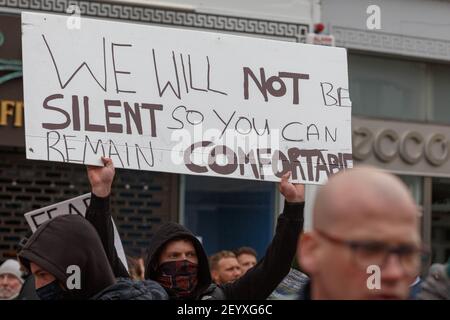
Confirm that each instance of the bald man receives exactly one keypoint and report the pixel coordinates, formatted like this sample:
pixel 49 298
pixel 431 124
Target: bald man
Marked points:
pixel 365 241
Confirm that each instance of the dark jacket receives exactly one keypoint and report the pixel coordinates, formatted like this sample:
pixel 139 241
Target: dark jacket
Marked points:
pixel 71 240
pixel 28 291
pixel 127 289
pixel 257 283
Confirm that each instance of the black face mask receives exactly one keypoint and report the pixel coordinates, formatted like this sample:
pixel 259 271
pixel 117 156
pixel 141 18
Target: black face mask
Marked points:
pixel 51 291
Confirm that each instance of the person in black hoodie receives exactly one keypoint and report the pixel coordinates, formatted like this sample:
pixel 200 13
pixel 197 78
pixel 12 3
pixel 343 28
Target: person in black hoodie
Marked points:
pixel 65 244
pixel 176 258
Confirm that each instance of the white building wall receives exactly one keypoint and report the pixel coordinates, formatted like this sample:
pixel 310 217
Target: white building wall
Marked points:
pixel 416 28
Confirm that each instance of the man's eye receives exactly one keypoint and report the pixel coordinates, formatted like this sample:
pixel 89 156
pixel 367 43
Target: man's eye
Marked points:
pixel 407 250
pixel 375 247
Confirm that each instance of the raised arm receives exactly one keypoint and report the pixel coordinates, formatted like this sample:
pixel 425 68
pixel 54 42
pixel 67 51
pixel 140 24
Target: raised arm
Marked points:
pixel 259 282
pixel 99 214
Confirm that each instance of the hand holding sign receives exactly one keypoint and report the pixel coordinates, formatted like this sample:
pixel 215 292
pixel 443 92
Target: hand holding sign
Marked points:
pixel 101 178
pixel 292 192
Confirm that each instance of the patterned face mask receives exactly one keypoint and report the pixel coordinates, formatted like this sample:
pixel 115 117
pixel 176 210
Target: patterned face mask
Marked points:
pixel 179 278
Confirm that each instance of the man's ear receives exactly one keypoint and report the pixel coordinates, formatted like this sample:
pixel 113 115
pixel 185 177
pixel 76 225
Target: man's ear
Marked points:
pixel 307 247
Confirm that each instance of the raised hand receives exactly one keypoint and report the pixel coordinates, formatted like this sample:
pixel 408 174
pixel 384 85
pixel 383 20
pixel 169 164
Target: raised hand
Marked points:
pixel 291 192
pixel 101 178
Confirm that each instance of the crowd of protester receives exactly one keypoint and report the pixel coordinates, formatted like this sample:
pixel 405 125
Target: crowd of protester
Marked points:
pixel 364 244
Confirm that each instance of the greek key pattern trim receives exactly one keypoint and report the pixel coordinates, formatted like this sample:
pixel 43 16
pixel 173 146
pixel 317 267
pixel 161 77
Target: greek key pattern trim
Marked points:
pixel 171 17
pixel 392 43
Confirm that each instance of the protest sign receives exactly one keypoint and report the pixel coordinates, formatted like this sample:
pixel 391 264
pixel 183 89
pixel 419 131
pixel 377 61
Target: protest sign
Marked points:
pixel 184 101
pixel 77 205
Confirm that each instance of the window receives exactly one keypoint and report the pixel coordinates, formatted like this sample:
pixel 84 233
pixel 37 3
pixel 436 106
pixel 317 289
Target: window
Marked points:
pixel 399 89
pixel 441 93
pixel 230 213
pixel 440 232
pixel 415 186
pixel 387 88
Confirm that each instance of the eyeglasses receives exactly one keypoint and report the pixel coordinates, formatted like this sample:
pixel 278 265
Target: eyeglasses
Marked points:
pixel 368 253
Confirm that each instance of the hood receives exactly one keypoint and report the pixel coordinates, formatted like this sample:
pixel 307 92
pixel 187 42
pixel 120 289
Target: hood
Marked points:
pixel 167 232
pixel 128 289
pixel 65 241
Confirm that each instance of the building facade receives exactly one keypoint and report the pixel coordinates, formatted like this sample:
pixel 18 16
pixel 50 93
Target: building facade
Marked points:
pixel 224 213
pixel 399 78
pixel 399 74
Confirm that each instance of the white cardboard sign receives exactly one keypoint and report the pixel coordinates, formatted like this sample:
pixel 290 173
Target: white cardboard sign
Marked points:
pixel 183 101
pixel 77 205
